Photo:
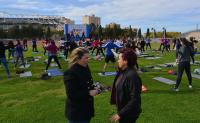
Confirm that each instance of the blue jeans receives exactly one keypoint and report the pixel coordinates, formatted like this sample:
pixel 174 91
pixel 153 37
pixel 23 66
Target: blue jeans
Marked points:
pixel 3 60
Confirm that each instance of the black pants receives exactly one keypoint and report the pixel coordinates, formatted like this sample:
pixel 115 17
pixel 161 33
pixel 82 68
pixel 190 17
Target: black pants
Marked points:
pixel 94 49
pixel 34 48
pixel 66 51
pixel 127 120
pixel 45 50
pixel 165 48
pixel 55 59
pixel 142 49
pixel 192 56
pixel 161 46
pixel 99 50
pixel 148 44
pixel 181 67
pixel 17 59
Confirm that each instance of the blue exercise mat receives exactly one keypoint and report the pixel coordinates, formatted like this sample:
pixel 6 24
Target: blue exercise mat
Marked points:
pixel 54 72
pixel 108 74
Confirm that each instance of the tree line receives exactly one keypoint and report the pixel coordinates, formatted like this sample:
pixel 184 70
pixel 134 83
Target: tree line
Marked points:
pixel 43 31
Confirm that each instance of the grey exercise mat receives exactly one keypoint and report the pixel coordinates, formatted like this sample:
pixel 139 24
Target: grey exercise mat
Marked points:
pixel 196 76
pixel 164 80
pixel 108 74
pixel 26 74
pixel 53 65
pixel 152 58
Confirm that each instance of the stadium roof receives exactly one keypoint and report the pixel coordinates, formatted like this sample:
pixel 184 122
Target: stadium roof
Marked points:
pixel 6 15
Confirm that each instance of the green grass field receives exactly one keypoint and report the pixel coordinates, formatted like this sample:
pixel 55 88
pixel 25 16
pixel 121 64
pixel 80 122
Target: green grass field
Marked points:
pixel 32 100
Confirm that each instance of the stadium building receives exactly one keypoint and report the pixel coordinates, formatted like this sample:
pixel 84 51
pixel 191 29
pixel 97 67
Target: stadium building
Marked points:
pixel 7 21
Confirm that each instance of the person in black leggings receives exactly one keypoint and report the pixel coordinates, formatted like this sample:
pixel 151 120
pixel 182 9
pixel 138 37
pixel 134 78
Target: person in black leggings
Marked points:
pixel 183 60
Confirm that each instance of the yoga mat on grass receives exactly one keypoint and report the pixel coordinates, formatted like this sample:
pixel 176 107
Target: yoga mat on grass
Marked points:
pixel 108 74
pixel 25 74
pixel 164 80
pixel 54 72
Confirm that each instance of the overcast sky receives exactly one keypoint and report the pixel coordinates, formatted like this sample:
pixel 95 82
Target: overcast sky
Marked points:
pixel 175 15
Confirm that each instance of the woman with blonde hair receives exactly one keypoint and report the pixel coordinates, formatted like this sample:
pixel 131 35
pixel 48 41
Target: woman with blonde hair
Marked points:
pixel 79 88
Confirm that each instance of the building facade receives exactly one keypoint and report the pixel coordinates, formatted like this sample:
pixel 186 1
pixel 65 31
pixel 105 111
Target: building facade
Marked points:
pixel 91 19
pixel 55 22
pixel 112 25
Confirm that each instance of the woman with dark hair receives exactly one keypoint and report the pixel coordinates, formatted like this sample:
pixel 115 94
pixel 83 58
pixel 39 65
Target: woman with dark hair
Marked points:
pixel 3 57
pixel 19 53
pixel 52 50
pixel 127 89
pixel 79 88
pixel 183 60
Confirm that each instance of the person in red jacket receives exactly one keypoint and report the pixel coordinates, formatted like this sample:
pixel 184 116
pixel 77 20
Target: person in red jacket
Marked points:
pixel 95 45
pixel 52 50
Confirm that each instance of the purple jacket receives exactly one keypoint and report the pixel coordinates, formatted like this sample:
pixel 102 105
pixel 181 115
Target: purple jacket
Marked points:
pixel 19 51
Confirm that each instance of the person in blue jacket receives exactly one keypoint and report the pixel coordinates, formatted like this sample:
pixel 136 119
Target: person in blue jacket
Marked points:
pixel 109 54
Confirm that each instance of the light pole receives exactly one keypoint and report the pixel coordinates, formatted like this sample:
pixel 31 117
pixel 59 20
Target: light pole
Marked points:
pixel 153 30
pixel 164 32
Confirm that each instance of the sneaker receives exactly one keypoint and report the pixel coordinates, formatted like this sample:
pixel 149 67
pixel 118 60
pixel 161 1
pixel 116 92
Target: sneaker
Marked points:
pixel 9 76
pixel 175 89
pixel 190 86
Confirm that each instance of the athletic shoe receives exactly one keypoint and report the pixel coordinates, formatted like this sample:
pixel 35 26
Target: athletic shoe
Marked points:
pixel 175 89
pixel 190 86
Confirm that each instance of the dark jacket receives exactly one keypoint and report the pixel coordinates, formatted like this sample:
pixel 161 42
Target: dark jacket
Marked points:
pixel 79 104
pixel 184 54
pixel 2 51
pixel 126 94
